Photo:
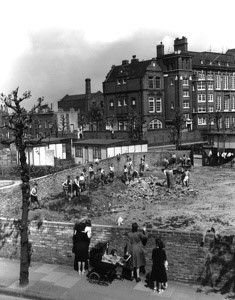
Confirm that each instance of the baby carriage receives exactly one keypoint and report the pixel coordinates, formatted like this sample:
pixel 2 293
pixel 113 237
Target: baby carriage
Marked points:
pixel 104 267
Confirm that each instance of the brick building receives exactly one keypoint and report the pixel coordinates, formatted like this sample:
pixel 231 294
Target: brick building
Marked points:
pixel 70 106
pixel 135 87
pixel 201 85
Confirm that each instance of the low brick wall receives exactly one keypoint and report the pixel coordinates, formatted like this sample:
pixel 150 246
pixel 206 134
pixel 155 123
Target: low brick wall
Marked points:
pixel 52 243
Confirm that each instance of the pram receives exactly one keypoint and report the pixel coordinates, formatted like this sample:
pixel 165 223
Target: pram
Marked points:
pixel 103 267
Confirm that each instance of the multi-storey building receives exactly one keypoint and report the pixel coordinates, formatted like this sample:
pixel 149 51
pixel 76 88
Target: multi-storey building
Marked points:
pixel 70 107
pixel 135 87
pixel 200 85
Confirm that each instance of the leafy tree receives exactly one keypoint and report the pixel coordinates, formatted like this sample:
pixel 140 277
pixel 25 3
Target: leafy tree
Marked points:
pixel 96 115
pixel 19 122
pixel 176 127
pixel 135 124
pixel 63 124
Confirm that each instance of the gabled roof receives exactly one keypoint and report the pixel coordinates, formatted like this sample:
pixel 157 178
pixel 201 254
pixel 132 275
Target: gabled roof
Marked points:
pixel 212 59
pixel 135 69
pixel 76 101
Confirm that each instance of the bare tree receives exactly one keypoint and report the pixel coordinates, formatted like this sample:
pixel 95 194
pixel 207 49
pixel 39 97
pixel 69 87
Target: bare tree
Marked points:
pixel 19 123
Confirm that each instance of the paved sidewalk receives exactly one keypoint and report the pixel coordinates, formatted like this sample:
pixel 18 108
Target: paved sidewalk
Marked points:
pixel 63 283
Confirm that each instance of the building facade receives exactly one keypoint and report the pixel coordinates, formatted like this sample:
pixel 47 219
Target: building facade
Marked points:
pixel 71 107
pixel 135 88
pixel 200 85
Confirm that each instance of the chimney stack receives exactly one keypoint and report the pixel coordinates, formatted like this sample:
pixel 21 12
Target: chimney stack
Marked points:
pixel 181 45
pixel 88 88
pixel 160 50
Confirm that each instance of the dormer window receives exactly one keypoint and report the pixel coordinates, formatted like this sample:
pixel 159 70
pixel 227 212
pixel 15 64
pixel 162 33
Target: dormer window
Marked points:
pixel 218 63
pixel 201 62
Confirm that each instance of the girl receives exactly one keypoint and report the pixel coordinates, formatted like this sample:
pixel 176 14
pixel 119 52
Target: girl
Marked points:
pixel 160 265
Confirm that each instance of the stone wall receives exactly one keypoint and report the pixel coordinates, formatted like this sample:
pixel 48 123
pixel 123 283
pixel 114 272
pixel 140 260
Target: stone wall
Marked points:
pixel 52 243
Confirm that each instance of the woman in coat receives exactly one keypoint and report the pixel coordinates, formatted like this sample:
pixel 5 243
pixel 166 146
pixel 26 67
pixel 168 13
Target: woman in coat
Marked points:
pixel 136 241
pixel 80 247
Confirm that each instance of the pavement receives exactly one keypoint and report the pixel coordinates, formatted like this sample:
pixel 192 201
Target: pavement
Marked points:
pixel 50 282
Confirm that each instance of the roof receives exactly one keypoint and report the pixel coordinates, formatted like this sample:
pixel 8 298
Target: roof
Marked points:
pixel 212 59
pixel 76 101
pixel 135 69
pixel 108 143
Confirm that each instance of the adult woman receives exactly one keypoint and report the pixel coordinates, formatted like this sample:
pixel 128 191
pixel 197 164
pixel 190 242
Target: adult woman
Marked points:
pixel 80 247
pixel 159 267
pixel 136 241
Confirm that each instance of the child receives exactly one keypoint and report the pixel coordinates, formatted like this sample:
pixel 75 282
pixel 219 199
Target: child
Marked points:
pixel 87 229
pixel 159 267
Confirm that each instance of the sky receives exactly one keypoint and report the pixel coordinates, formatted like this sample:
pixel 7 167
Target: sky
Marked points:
pixel 49 47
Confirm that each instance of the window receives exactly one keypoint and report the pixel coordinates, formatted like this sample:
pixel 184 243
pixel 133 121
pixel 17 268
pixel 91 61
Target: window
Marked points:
pixel 111 103
pixel 210 86
pixel 225 82
pixel 226 103
pixel 185 93
pixel 201 97
pixel 122 125
pixel 218 103
pixel 96 153
pixel 124 102
pixel 172 82
pixel 158 82
pixel 233 82
pixel 158 105
pixel 233 103
pixel 151 105
pixel 226 122
pixel 63 149
pixel 133 101
pixel 118 81
pixel 185 82
pixel 201 109
pixel 201 85
pixel 201 76
pixel 210 108
pixel 155 124
pixel 218 82
pixel 119 102
pixel 210 77
pixel 201 121
pixel 150 82
pixel 124 81
pixel 185 104
pixel 210 98
pixel 220 123
pixel 78 151
pixel 186 116
pixel 233 121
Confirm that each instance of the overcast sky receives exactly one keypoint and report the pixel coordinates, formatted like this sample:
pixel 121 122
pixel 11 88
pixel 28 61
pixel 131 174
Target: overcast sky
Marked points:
pixel 50 46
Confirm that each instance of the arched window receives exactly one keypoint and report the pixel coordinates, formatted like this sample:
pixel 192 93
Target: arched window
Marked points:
pixel 155 124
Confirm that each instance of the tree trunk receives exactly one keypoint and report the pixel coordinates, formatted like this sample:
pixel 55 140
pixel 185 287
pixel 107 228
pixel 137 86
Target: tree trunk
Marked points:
pixel 25 188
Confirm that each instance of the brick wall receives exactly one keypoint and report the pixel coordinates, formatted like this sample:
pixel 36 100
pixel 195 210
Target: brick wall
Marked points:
pixel 52 243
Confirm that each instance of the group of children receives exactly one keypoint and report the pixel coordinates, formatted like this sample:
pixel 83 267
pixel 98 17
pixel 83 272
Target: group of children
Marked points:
pixel 73 188
pixel 131 173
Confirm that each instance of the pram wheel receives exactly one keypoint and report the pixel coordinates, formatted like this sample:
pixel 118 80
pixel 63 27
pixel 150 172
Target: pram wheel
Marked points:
pixel 94 278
